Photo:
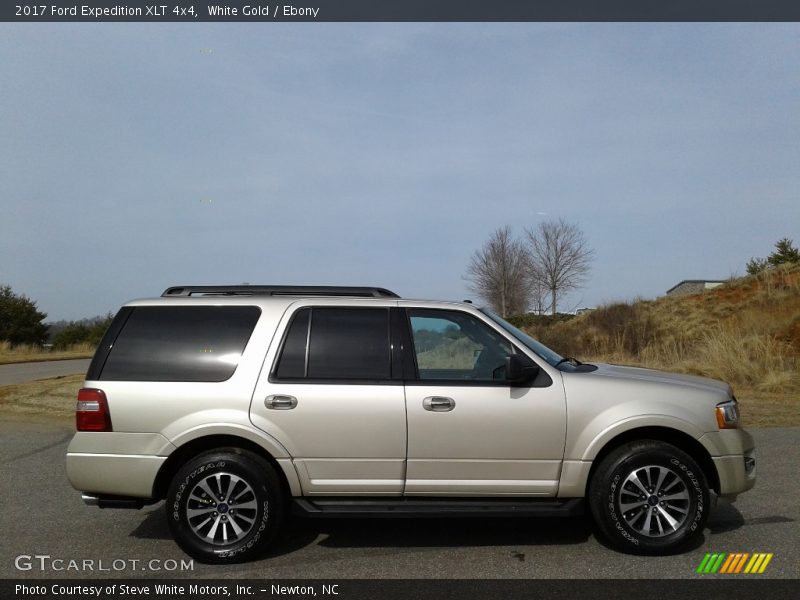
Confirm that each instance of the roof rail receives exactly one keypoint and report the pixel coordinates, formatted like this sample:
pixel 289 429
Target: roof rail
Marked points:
pixel 277 290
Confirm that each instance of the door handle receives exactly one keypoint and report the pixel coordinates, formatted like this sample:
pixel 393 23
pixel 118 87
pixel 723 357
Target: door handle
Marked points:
pixel 278 402
pixel 438 404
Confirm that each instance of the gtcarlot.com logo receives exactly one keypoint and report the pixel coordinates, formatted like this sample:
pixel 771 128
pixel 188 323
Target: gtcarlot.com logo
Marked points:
pixel 45 562
pixel 735 563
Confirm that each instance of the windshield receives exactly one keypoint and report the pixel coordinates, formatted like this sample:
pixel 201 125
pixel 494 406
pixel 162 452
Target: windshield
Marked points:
pixel 553 358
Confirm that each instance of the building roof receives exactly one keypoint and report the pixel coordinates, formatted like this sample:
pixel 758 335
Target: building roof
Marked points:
pixel 680 283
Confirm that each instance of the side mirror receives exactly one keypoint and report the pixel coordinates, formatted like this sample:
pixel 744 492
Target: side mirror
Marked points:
pixel 520 369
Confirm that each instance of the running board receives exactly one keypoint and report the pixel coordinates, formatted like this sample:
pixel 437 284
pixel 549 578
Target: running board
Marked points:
pixel 437 507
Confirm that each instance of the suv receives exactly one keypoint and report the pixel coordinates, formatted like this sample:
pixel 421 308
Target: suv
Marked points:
pixel 236 404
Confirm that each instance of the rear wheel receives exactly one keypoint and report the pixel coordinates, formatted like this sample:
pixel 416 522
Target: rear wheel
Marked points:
pixel 649 497
pixel 225 505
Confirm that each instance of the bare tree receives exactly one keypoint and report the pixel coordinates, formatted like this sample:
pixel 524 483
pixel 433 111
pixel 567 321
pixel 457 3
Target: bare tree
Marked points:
pixel 498 273
pixel 560 258
pixel 537 302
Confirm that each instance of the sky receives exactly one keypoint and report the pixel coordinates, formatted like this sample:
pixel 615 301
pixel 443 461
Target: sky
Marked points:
pixel 134 157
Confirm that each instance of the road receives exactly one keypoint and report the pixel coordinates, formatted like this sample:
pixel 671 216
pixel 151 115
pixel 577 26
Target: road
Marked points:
pixel 23 372
pixel 43 515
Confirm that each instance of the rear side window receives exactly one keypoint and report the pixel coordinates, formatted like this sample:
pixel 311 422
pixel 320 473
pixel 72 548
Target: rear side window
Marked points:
pixel 337 343
pixel 180 343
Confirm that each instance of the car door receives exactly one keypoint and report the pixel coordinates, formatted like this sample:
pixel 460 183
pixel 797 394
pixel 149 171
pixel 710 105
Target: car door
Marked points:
pixel 332 399
pixel 470 432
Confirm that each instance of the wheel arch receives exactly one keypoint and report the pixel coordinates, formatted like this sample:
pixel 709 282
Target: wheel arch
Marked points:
pixel 283 467
pixel 675 437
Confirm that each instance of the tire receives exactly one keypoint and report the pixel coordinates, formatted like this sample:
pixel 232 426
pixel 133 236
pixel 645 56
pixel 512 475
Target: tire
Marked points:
pixel 635 519
pixel 239 520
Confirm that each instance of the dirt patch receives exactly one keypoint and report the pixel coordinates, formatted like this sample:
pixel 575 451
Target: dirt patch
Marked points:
pixel 46 398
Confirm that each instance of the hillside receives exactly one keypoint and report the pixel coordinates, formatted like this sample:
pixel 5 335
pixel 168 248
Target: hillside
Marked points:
pixel 746 332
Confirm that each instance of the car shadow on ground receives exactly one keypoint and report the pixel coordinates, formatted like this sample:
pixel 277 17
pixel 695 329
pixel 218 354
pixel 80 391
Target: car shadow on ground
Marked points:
pixel 726 517
pixel 445 532
pixel 403 532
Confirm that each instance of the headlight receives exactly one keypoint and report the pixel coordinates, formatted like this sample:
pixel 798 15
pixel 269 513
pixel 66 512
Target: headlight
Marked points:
pixel 728 414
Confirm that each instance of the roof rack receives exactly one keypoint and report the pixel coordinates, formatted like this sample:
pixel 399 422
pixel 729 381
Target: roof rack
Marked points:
pixel 277 290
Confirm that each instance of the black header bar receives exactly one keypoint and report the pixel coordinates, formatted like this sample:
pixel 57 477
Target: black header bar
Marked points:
pixel 191 11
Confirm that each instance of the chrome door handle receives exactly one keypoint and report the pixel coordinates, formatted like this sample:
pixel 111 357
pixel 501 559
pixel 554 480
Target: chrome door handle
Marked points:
pixel 438 404
pixel 278 402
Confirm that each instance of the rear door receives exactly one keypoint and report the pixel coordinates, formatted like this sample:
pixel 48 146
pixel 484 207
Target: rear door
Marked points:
pixel 332 394
pixel 471 433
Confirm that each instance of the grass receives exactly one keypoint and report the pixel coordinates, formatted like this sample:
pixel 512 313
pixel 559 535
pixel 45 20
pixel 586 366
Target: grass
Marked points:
pixel 24 353
pixel 46 398
pixel 746 332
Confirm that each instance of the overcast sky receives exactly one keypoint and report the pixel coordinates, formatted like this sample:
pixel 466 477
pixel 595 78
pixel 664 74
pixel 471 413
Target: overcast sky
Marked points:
pixel 138 156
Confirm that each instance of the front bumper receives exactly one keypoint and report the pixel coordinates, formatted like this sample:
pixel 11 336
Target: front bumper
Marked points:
pixel 734 457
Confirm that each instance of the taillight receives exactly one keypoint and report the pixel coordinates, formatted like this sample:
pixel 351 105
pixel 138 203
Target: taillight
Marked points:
pixel 91 413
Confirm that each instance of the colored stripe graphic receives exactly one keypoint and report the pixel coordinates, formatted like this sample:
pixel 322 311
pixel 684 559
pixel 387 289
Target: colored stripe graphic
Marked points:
pixel 727 564
pixel 764 564
pixel 703 563
pixel 717 564
pixel 721 562
pixel 741 562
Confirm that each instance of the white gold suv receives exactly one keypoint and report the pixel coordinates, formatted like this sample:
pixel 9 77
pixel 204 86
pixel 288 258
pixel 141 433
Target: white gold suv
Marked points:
pixel 238 403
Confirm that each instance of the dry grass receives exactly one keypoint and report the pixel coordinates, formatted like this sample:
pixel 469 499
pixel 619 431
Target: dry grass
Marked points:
pixel 19 354
pixel 746 332
pixel 46 398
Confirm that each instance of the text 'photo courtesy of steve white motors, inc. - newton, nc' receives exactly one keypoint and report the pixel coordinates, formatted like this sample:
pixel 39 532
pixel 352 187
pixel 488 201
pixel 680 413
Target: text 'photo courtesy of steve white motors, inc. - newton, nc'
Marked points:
pixel 273 11
pixel 162 590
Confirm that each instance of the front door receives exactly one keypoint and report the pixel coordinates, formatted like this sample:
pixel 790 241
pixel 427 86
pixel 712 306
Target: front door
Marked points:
pixel 470 433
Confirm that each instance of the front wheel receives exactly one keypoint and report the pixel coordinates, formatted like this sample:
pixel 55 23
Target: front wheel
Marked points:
pixel 225 505
pixel 649 497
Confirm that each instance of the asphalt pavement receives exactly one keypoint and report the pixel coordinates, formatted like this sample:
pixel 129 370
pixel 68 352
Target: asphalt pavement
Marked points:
pixel 31 371
pixel 43 516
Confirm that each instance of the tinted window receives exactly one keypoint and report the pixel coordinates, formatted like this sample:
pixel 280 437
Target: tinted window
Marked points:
pixel 180 343
pixel 292 363
pixel 457 346
pixel 344 343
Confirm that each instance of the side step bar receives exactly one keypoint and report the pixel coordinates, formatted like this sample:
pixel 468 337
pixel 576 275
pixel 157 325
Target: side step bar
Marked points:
pixel 437 507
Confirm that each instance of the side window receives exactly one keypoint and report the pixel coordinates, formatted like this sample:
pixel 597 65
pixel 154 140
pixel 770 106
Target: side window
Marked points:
pixel 453 345
pixel 337 343
pixel 180 343
pixel 292 364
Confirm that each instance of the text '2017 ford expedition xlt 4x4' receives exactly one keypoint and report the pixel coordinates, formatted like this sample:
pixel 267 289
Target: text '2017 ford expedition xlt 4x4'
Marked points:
pixel 237 403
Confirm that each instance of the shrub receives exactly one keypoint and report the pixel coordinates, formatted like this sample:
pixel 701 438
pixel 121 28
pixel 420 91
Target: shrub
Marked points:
pixel 20 320
pixel 88 332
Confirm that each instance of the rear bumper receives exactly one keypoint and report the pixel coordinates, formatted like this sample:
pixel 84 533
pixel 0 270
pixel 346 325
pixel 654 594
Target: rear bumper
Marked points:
pixel 114 474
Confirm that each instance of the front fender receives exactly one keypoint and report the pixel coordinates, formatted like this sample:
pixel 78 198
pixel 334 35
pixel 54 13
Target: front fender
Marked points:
pixel 575 470
pixel 593 441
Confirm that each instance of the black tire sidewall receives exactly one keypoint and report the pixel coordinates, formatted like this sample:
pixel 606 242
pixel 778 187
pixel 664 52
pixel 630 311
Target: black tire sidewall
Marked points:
pixel 606 488
pixel 257 473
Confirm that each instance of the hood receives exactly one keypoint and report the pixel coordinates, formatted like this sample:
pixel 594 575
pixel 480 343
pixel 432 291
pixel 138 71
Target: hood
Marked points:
pixel 652 375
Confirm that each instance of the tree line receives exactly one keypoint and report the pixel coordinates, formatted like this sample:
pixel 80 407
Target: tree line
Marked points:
pixel 22 323
pixel 532 273
pixel 512 275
